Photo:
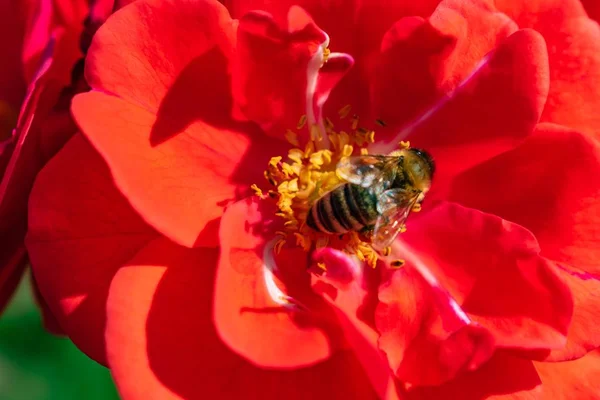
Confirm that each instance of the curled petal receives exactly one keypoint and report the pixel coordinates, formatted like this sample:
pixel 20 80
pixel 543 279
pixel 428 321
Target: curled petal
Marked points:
pixel 492 268
pixel 422 60
pixel 490 112
pixel 277 75
pixel 427 340
pixel 247 317
pixel 557 200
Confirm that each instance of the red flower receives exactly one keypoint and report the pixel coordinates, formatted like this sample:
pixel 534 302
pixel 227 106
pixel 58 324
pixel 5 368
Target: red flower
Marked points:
pixel 159 261
pixel 41 71
pixel 38 49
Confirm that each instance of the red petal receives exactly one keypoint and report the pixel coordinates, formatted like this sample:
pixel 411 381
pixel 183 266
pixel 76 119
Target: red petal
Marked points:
pixel 494 271
pixel 504 377
pixel 251 315
pixel 421 61
pixel 559 205
pixel 489 113
pixel 571 380
pixel 355 28
pixel 277 74
pixel 423 344
pixel 127 57
pixel 573 42
pixel 180 184
pixel 162 342
pixel 180 165
pixel 75 253
pixel 545 186
pixel 349 288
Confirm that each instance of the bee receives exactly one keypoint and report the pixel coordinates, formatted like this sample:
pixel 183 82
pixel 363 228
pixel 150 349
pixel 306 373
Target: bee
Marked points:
pixel 378 195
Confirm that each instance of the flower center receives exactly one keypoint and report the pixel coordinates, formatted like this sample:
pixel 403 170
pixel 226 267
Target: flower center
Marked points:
pixel 307 175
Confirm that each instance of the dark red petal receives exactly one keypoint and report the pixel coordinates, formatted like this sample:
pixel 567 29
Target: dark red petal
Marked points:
pixel 12 80
pixel 162 341
pixel 127 57
pixel 576 379
pixel 179 184
pixel 592 7
pixel 426 342
pixel 277 75
pixel 493 269
pixel 251 311
pixel 21 159
pixel 489 113
pixel 424 60
pixel 81 230
pixel 573 42
pixel 504 377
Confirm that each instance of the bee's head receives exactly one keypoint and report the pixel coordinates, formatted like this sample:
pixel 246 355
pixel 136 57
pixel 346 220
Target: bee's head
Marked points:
pixel 421 166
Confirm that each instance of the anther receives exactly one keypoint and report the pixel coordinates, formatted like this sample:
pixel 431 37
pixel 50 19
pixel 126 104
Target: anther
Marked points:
pixel 301 122
pixel 397 263
pixel 344 111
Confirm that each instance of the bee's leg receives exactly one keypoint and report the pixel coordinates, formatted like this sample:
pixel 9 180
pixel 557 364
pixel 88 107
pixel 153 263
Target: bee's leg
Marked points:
pixel 367 231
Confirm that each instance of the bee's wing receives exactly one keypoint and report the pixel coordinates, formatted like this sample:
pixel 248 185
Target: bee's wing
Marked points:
pixel 394 206
pixel 368 170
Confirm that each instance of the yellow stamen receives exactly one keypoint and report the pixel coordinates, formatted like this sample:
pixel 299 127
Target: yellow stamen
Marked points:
pixel 301 122
pixel 345 111
pixel 416 207
pixel 310 172
pixel 292 137
pixel 354 122
pixel 256 190
pixel 326 53
pixel 397 263
pixel 322 266
pixel 404 144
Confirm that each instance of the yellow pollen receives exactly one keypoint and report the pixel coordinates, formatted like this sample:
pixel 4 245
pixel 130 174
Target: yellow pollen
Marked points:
pixel 416 208
pixel 404 144
pixel 326 53
pixel 307 173
pixel 322 266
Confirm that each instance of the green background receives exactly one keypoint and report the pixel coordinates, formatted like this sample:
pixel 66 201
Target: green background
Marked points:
pixel 35 365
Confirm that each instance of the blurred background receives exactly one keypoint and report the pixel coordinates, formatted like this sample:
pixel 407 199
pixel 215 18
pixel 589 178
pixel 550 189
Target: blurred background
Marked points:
pixel 35 365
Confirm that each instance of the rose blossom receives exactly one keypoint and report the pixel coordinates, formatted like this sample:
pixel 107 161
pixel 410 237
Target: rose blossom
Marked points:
pixel 159 261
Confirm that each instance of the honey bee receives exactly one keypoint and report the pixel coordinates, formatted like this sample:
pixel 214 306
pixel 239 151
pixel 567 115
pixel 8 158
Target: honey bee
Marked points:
pixel 378 196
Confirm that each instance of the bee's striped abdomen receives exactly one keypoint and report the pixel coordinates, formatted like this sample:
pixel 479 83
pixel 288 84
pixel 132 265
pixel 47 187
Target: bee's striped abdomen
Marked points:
pixel 348 207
